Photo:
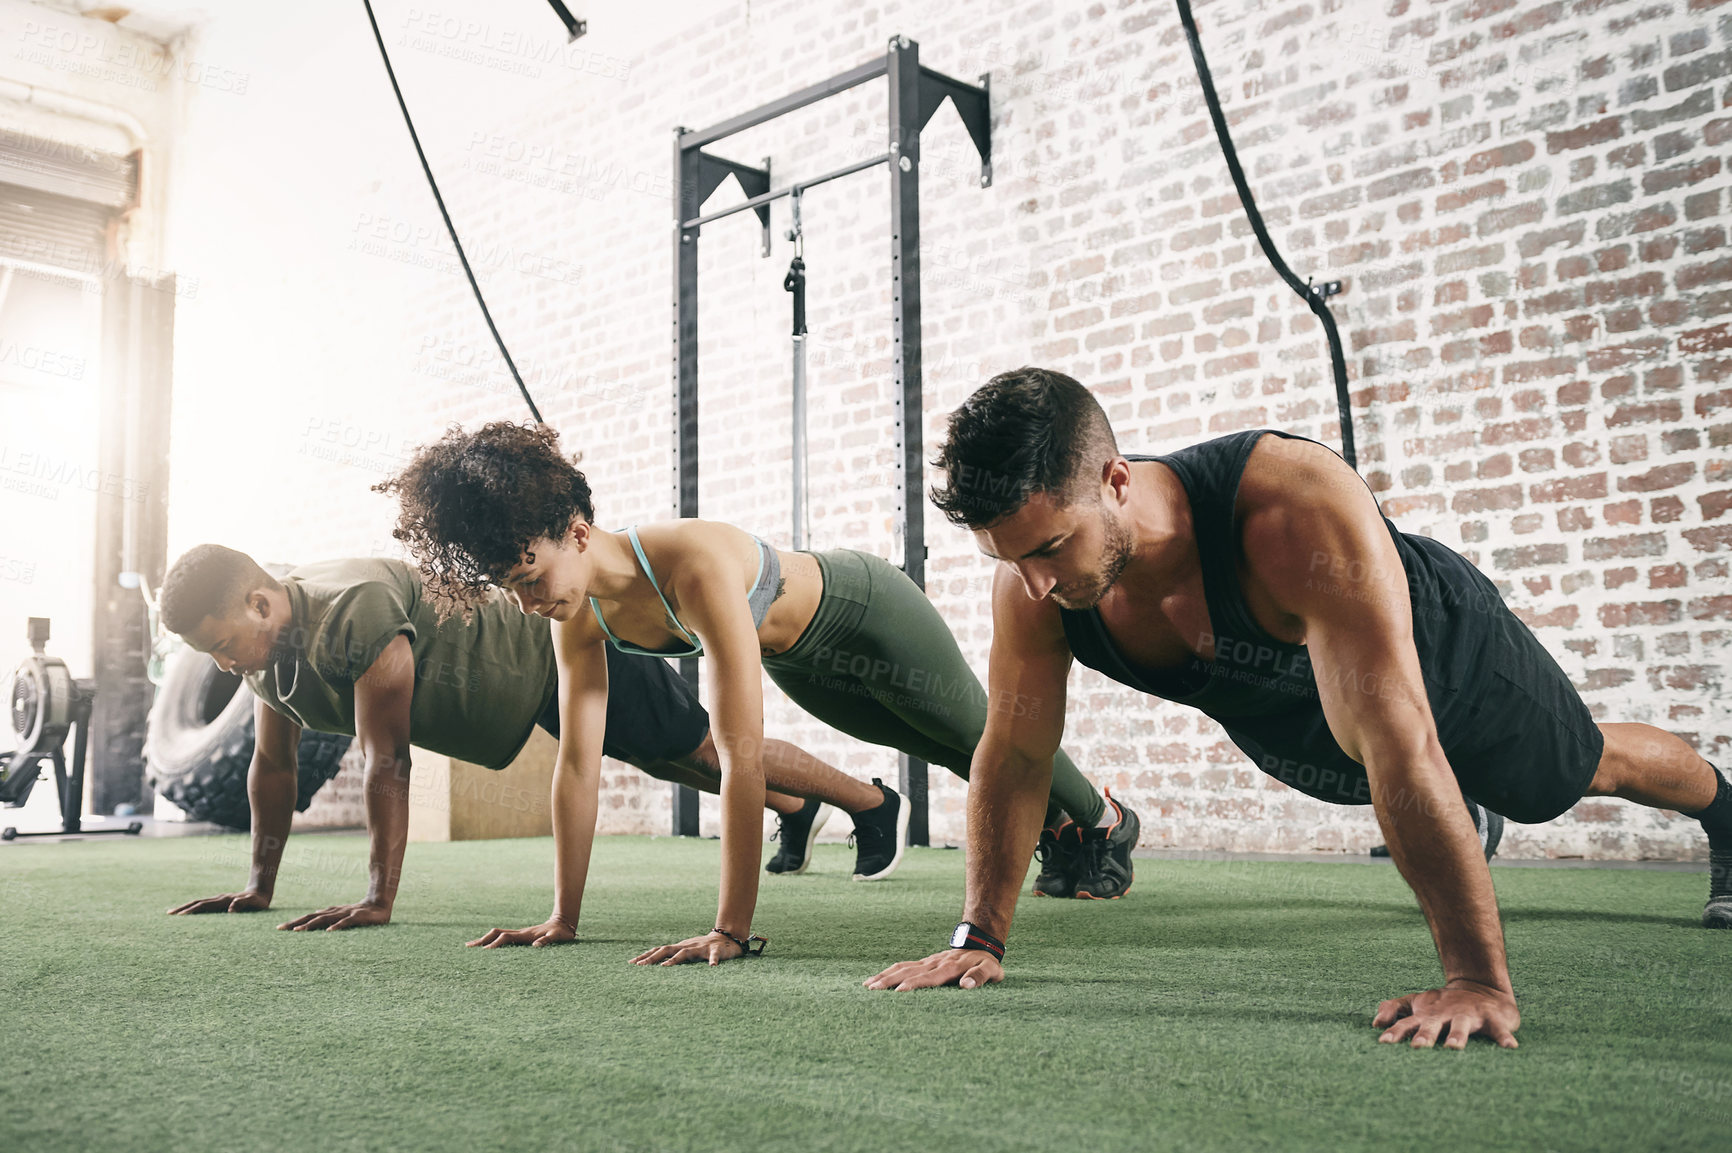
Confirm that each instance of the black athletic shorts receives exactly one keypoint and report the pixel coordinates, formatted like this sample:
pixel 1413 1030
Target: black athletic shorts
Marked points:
pixel 652 714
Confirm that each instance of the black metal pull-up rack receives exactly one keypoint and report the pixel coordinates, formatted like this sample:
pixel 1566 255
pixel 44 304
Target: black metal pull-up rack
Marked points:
pixel 915 95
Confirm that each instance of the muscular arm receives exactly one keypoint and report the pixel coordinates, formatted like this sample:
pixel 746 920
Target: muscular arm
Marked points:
pixel 712 604
pixel 582 667
pixel 1008 779
pixel 1304 512
pixel 272 788
pixel 383 695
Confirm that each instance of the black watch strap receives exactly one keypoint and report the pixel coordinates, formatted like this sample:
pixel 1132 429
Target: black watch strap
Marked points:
pixel 968 935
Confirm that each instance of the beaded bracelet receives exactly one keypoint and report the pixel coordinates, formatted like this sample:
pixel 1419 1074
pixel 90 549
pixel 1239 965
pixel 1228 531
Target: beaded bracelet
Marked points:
pixel 746 949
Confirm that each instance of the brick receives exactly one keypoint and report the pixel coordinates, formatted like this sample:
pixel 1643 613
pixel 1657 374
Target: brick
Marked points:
pixel 1540 369
pixel 1636 545
pixel 1487 499
pixel 1715 504
pixel 1562 617
pixel 1401 183
pixel 1655 479
pixel 1636 614
pixel 1696 275
pixel 1665 509
pixel 1696 106
pixel 1667 576
pixel 1715 608
pixel 1403 330
pixel 1586 136
pixel 1698 71
pixel 1624 512
pixel 1598 196
pixel 1655 182
pixel 1477 317
pixel 1600 679
pixel 1530 556
pixel 1710 539
pixel 1491 223
pixel 1169 325
pixel 1504 155
pixel 1590 487
pixel 1536 243
pixel 1330 203
pixel 1106 338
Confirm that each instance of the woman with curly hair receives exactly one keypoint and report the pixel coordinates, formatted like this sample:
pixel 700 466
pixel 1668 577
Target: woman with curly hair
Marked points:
pixel 845 634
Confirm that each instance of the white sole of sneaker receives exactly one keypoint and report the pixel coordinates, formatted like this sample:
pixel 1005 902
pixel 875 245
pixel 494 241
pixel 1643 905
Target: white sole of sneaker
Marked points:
pixel 901 843
pixel 818 822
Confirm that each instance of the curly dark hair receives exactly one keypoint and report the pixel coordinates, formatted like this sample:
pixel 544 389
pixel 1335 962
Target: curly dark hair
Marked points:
pixel 1022 432
pixel 472 501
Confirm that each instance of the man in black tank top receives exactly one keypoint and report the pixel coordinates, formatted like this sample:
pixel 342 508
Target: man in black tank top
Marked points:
pixel 1254 578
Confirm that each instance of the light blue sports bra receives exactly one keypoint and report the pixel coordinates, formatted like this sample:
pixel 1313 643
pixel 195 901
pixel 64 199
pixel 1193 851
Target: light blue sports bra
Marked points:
pixel 763 594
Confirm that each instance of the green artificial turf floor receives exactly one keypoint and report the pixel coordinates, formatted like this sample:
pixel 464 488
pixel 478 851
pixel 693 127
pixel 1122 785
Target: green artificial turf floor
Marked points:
pixel 1222 1005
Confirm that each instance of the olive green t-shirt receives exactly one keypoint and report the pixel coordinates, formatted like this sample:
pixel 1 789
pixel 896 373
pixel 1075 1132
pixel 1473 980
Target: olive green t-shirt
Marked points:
pixel 479 687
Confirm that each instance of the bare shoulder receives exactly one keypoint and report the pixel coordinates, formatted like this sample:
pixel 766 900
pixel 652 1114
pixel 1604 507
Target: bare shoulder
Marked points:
pixel 691 548
pixel 1021 623
pixel 1299 502
pixel 579 639
pixel 1284 472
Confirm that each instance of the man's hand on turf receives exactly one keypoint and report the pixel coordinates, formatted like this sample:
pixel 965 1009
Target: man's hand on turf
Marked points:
pixel 251 901
pixel 1462 1008
pixel 336 917
pixel 969 968
pixel 553 931
pixel 712 947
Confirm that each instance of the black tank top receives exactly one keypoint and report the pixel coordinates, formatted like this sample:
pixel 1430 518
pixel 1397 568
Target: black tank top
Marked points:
pixel 1263 690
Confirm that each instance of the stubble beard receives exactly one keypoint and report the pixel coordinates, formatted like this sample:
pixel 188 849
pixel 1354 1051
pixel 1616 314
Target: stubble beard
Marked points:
pixel 1116 555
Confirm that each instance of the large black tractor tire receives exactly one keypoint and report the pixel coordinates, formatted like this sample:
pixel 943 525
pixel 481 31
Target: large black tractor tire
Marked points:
pixel 198 744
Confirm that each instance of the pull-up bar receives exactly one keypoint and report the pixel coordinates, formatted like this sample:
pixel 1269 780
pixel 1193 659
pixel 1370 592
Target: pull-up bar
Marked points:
pixel 915 95
pixel 790 190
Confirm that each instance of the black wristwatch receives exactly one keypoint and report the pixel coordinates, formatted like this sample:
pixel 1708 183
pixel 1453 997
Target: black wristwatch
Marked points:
pixel 970 936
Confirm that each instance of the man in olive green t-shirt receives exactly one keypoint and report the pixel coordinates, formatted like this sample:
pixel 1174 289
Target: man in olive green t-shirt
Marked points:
pixel 355 646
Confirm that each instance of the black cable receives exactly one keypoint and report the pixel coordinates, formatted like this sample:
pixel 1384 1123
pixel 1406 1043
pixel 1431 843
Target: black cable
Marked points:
pixel 449 227
pixel 1314 300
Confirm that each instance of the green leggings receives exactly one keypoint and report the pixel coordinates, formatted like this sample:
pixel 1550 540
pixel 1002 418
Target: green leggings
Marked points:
pixel 878 663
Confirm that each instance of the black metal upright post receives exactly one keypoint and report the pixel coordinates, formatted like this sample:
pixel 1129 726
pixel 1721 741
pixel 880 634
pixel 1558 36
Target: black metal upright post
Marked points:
pixel 686 201
pixel 905 125
pixel 915 94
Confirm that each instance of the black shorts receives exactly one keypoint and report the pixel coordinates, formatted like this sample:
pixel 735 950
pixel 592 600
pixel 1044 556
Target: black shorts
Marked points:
pixel 652 714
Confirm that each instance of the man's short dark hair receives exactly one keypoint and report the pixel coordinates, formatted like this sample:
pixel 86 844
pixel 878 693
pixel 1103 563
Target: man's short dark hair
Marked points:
pixel 1022 432
pixel 470 503
pixel 208 581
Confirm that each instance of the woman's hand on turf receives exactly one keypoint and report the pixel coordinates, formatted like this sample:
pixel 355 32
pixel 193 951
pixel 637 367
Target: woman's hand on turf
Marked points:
pixel 336 917
pixel 553 931
pixel 1461 1008
pixel 250 901
pixel 969 968
pixel 712 947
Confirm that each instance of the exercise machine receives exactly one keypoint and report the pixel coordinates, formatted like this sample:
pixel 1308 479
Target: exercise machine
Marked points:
pixel 47 704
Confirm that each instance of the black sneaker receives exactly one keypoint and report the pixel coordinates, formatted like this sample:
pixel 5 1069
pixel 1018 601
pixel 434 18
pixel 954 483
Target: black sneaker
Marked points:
pixel 1487 824
pixel 796 832
pixel 1103 858
pixel 880 835
pixel 1056 853
pixel 1718 912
